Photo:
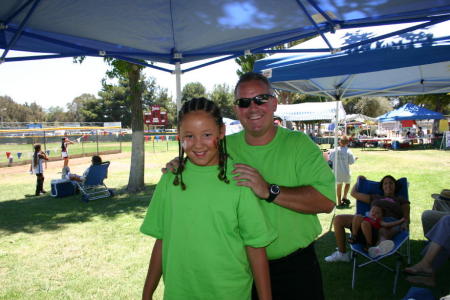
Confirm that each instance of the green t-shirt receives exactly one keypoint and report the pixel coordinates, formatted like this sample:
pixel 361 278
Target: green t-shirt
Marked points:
pixel 291 159
pixel 204 230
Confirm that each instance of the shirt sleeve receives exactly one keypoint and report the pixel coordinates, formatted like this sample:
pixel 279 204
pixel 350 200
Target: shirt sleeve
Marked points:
pixel 313 170
pixel 351 157
pixel 153 224
pixel 255 228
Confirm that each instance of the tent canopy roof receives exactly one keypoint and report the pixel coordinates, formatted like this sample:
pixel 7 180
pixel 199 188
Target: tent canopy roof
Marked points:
pixel 410 111
pixel 412 63
pixel 185 31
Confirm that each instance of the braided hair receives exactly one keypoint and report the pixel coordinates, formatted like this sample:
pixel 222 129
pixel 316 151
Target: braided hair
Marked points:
pixel 201 104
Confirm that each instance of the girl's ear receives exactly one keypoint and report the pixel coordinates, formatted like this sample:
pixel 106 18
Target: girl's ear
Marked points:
pixel 222 130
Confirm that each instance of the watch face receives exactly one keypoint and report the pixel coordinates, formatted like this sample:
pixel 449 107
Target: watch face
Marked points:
pixel 275 189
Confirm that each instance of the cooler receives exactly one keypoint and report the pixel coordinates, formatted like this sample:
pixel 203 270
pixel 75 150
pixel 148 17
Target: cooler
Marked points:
pixel 62 188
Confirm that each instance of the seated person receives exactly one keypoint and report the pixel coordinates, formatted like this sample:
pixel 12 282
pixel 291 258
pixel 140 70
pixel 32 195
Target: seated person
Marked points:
pixel 96 160
pixel 369 226
pixel 441 208
pixel 436 254
pixel 395 208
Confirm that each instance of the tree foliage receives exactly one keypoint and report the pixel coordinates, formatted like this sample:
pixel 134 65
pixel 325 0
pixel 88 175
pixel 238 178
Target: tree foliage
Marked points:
pixel 373 106
pixel 11 111
pixel 223 96
pixel 192 90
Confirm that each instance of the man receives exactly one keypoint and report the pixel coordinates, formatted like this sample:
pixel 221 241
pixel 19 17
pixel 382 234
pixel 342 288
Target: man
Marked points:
pixel 287 171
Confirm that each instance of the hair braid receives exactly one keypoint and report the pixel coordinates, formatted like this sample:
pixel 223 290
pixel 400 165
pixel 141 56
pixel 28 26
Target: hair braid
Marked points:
pixel 223 159
pixel 179 173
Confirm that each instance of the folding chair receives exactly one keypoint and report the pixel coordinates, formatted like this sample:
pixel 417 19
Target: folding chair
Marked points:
pixel 373 187
pixel 93 187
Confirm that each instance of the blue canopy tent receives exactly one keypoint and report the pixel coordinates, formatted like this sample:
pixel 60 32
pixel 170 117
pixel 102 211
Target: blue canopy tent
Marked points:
pixel 412 63
pixel 410 111
pixel 177 32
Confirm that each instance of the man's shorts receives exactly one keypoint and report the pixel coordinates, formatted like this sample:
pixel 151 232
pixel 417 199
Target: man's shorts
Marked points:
pixel 64 154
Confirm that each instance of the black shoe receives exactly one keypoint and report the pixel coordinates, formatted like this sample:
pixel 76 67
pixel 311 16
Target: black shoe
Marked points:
pixel 43 192
pixel 340 206
pixel 346 202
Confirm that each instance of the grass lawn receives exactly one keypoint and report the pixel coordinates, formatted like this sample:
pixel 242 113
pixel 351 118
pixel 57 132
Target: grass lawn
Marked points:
pixel 62 248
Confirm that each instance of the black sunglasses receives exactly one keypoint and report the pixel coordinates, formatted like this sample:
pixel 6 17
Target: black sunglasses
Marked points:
pixel 259 100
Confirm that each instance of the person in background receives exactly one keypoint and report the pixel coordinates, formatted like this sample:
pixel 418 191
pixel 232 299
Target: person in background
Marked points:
pixel 96 160
pixel 37 168
pixel 396 207
pixel 369 227
pixel 64 150
pixel 436 253
pixel 341 159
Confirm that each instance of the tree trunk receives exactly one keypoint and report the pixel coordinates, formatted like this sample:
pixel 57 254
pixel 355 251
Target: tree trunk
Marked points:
pixel 136 178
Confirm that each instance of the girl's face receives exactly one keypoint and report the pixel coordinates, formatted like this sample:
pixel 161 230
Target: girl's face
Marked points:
pixel 376 212
pixel 388 187
pixel 199 136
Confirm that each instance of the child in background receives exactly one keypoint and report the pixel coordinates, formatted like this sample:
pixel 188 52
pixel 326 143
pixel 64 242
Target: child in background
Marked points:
pixel 342 170
pixel 37 168
pixel 369 226
pixel 210 234
pixel 64 152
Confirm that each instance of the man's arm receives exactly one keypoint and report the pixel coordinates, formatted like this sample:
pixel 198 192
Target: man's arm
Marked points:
pixel 260 269
pixel 304 199
pixel 154 271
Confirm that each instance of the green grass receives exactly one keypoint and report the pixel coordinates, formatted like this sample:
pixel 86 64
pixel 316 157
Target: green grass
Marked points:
pixel 62 248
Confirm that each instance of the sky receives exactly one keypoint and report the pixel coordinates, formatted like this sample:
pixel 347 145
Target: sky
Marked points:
pixel 56 82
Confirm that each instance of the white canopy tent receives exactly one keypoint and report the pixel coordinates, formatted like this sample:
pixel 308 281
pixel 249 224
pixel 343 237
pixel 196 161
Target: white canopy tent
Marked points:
pixel 309 111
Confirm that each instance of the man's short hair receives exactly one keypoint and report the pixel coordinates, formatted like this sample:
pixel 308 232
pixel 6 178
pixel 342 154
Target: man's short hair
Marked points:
pixel 250 76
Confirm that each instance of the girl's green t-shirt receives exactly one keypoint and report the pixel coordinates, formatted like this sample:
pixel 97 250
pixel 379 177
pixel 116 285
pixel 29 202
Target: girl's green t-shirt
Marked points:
pixel 204 230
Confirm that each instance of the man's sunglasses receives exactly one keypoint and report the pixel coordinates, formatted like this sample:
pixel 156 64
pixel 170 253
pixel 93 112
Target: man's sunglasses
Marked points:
pixel 259 100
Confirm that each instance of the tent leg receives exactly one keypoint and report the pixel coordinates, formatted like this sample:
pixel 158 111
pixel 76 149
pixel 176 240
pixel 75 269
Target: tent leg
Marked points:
pixel 178 84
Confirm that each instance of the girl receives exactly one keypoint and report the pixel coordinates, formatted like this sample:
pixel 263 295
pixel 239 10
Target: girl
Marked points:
pixel 344 159
pixel 64 153
pixel 210 234
pixel 369 226
pixel 37 168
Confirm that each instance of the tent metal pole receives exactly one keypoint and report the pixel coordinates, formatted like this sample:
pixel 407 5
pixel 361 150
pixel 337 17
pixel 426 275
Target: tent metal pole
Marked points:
pixel 178 84
pixel 336 153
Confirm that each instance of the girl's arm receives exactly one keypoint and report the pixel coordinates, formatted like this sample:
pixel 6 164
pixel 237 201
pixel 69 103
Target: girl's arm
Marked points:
pixel 154 271
pixel 393 223
pixel 43 155
pixel 260 269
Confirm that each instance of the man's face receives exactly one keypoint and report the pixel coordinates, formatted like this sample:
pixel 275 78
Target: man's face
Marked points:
pixel 256 119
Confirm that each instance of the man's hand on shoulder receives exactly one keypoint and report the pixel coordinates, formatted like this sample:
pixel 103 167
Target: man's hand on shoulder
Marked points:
pixel 250 177
pixel 171 166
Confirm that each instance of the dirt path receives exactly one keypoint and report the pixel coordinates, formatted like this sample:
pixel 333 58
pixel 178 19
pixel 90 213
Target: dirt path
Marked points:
pixel 76 165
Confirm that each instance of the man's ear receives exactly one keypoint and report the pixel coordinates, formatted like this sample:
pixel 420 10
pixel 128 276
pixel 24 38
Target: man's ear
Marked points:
pixel 274 103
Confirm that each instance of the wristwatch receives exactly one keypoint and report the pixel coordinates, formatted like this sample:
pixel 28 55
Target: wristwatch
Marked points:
pixel 274 191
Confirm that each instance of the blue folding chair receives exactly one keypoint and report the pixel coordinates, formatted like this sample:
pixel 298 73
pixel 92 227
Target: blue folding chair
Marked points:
pixel 373 187
pixel 93 187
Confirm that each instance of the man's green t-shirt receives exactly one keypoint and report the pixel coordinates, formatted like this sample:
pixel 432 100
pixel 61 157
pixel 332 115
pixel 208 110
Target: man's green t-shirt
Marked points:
pixel 204 230
pixel 291 159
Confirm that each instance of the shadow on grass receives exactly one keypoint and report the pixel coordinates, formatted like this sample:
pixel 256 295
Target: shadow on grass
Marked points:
pixel 45 213
pixel 373 281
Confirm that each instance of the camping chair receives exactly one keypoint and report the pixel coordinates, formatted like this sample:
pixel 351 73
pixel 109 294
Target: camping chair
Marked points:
pixel 93 187
pixel 373 187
